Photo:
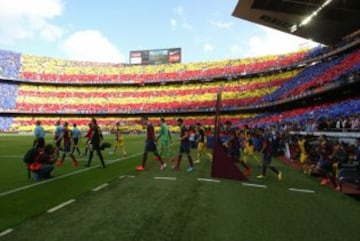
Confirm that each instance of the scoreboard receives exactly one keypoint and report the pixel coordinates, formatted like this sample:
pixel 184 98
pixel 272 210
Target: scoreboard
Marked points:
pixel 156 56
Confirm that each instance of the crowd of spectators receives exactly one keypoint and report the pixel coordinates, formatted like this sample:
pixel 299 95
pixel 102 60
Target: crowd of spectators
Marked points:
pixel 8 93
pixel 43 69
pixel 135 99
pixel 343 66
pixel 5 123
pixel 9 64
pixel 317 76
pixel 305 118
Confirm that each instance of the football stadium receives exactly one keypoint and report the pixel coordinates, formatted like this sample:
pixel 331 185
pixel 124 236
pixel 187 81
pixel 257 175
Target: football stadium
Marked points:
pixel 259 148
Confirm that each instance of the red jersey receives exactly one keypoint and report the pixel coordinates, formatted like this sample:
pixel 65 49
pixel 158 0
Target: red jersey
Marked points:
pixel 89 134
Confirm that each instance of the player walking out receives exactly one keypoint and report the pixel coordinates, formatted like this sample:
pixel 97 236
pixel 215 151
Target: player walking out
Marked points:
pixel 66 137
pixel 165 139
pixel 150 145
pixel 94 145
pixel 59 130
pixel 267 151
pixel 233 145
pixel 88 137
pixel 184 146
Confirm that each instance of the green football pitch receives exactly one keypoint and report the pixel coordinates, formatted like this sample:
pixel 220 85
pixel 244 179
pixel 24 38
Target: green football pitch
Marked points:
pixel 119 203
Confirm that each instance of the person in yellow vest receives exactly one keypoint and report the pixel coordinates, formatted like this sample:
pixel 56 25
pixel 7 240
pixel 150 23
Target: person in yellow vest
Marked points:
pixel 119 141
pixel 303 155
pixel 201 143
pixel 249 148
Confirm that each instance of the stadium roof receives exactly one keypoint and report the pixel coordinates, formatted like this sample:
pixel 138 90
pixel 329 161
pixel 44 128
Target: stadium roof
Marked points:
pixel 323 21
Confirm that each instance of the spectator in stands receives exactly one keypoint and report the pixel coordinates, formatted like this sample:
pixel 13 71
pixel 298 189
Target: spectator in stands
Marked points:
pixel 354 123
pixel 357 151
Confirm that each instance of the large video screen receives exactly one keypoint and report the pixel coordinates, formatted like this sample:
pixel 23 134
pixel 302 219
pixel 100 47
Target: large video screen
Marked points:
pixel 156 56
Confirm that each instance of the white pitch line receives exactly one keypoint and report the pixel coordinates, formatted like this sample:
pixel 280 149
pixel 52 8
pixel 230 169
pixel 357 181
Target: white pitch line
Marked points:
pixel 253 185
pixel 130 176
pixel 11 156
pixel 6 231
pixel 301 190
pixel 51 210
pixel 100 187
pixel 165 178
pixel 208 180
pixel 66 175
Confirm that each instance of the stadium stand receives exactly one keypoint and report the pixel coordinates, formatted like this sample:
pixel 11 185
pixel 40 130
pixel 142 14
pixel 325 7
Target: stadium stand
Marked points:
pixel 276 78
pixel 8 96
pixel 135 99
pixel 42 69
pixel 9 64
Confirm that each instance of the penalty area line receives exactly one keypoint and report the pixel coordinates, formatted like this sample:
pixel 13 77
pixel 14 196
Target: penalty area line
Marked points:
pixel 51 210
pixel 208 180
pixel 6 231
pixel 253 185
pixel 165 178
pixel 301 190
pixel 100 187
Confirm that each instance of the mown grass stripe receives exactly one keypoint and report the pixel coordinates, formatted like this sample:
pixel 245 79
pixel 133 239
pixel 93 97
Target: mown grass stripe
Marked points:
pixel 66 175
pixel 100 187
pixel 51 210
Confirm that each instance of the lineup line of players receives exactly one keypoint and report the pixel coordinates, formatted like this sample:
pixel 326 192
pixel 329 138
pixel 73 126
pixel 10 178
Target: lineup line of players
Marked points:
pixel 95 138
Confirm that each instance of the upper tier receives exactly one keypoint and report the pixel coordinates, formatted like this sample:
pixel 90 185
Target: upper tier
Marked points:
pixel 42 69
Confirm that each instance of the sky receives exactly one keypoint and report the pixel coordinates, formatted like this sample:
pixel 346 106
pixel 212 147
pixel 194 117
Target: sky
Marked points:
pixel 107 30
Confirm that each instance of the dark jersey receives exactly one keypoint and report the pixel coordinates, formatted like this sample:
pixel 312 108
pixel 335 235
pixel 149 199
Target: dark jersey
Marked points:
pixel 325 152
pixel 184 131
pixel 235 142
pixel 96 137
pixel 150 133
pixel 267 144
